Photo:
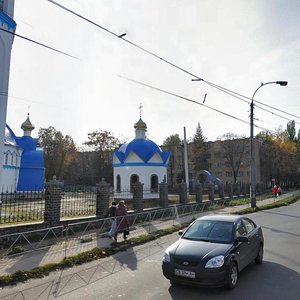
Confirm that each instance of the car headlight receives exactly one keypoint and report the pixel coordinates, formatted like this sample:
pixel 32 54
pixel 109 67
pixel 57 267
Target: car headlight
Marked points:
pixel 166 257
pixel 215 262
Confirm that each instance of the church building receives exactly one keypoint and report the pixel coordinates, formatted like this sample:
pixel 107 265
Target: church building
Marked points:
pixel 23 168
pixel 140 160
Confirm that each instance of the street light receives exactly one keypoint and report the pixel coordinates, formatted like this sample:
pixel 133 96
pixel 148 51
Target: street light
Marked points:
pixel 252 165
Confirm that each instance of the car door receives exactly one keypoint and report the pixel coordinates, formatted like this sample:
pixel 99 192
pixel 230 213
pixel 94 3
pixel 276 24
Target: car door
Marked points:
pixel 252 233
pixel 242 248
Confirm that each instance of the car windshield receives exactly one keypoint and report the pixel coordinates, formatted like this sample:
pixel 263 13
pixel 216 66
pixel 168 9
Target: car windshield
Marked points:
pixel 210 231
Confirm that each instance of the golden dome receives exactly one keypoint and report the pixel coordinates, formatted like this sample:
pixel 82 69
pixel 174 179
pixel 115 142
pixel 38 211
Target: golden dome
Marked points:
pixel 141 125
pixel 27 125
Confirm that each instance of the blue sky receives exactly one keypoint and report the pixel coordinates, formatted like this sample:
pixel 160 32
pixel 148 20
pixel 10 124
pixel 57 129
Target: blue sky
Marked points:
pixel 234 44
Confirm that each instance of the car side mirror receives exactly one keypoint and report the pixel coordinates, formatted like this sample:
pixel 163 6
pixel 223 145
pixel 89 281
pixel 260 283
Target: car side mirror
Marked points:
pixel 180 232
pixel 242 239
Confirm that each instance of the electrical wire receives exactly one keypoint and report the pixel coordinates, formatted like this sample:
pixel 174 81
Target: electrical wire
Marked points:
pixel 190 100
pixel 196 77
pixel 38 43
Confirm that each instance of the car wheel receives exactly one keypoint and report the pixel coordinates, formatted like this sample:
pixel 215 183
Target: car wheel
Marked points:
pixel 260 254
pixel 232 276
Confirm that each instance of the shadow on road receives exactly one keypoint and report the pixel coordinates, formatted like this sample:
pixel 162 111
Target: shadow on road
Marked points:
pixel 256 282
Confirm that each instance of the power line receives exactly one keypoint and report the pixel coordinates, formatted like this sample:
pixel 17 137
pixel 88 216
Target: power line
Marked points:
pixel 237 95
pixel 196 77
pixel 189 100
pixel 38 43
pixel 233 94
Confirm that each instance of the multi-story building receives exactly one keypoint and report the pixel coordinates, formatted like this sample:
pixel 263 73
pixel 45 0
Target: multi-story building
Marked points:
pixel 228 160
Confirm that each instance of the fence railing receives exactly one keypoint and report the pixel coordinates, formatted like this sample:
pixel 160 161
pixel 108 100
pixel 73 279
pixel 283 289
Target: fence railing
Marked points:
pixel 67 238
pixel 22 206
pixel 78 202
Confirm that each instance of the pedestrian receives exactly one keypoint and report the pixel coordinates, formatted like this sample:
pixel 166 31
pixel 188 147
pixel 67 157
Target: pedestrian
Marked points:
pixel 275 190
pixel 279 191
pixel 122 221
pixel 112 214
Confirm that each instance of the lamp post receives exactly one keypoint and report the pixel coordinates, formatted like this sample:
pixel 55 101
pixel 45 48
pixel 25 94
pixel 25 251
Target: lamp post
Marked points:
pixel 252 165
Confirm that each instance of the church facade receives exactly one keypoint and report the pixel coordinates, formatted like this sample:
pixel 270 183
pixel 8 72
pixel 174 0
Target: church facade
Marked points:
pixel 140 160
pixel 23 167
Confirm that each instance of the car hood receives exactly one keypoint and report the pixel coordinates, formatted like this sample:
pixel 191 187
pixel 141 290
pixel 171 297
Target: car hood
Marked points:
pixel 198 249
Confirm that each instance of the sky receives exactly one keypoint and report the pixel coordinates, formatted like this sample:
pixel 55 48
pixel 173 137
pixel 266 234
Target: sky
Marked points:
pixel 231 43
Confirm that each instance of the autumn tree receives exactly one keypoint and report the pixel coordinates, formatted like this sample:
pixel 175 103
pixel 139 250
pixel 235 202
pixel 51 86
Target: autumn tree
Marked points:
pixel 233 149
pixel 279 159
pixel 103 143
pixel 59 150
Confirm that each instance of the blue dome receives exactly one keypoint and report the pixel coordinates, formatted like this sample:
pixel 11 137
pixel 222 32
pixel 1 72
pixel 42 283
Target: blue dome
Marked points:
pixel 145 149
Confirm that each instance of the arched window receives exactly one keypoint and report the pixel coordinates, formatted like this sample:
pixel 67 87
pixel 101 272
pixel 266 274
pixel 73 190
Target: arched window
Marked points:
pixel 118 183
pixel 133 180
pixel 6 158
pixel 154 184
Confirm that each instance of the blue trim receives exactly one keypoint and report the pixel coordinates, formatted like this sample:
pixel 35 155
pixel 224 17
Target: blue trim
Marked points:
pixel 10 167
pixel 140 164
pixel 5 19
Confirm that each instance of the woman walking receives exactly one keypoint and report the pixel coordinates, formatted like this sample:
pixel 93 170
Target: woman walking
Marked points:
pixel 122 222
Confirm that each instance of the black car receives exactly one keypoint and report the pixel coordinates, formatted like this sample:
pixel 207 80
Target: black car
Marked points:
pixel 213 250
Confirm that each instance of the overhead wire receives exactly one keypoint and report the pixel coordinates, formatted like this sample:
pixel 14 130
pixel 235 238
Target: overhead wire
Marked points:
pixel 121 37
pixel 190 100
pixel 38 43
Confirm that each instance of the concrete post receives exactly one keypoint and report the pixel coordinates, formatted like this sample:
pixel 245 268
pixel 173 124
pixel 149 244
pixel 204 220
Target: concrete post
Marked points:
pixel 53 191
pixel 102 198
pixel 183 193
pixel 221 191
pixel 138 198
pixel 199 192
pixel 211 192
pixel 163 194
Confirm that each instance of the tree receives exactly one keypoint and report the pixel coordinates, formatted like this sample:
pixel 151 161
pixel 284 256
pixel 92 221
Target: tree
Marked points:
pixel 103 143
pixel 291 131
pixel 173 144
pixel 233 147
pixel 199 150
pixel 59 150
pixel 279 156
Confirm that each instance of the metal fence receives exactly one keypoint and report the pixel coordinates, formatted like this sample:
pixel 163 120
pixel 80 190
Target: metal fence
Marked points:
pixel 78 201
pixel 22 206
pixel 88 234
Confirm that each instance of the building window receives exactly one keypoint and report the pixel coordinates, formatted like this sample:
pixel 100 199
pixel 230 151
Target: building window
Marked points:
pixel 118 183
pixel 1 5
pixel 228 174
pixel 154 184
pixel 6 159
pixel 133 180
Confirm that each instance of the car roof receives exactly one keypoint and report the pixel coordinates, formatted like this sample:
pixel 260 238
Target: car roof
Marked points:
pixel 224 218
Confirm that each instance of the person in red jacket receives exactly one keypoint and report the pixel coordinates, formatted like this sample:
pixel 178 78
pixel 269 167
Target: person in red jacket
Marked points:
pixel 275 191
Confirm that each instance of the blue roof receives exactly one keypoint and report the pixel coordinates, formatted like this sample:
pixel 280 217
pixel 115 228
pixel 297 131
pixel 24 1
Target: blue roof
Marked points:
pixel 5 19
pixel 145 149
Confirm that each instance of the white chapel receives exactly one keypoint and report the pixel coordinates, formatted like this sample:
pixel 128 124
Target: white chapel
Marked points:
pixel 140 160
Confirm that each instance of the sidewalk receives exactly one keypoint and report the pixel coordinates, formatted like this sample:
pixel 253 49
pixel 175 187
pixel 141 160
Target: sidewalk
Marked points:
pixel 73 246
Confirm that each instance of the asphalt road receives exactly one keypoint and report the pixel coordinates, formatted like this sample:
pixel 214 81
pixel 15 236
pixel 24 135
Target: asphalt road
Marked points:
pixel 136 274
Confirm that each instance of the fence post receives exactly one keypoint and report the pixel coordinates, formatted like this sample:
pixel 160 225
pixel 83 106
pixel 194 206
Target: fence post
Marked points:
pixel 163 194
pixel 183 193
pixel 102 198
pixel 137 197
pixel 221 191
pixel 198 192
pixel 53 191
pixel 211 192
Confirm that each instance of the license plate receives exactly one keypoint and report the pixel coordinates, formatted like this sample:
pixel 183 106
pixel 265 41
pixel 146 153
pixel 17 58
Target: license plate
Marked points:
pixel 184 273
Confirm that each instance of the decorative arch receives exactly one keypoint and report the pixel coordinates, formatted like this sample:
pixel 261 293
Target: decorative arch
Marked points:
pixel 154 183
pixel 134 178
